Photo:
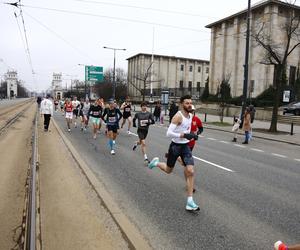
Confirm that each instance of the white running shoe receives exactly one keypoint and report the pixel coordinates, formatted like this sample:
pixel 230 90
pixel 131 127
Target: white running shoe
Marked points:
pixel 113 152
pixel 69 130
pixel 192 206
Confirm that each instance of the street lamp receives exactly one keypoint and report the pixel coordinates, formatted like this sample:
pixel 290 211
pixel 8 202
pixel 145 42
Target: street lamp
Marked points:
pixel 114 73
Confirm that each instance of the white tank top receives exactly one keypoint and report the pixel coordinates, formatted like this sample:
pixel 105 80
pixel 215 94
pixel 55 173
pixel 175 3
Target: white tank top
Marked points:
pixel 183 128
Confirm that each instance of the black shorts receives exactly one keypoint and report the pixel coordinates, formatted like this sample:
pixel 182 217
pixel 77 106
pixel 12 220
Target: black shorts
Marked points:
pixel 75 112
pixel 80 113
pixel 126 115
pixel 113 128
pixel 182 150
pixel 142 133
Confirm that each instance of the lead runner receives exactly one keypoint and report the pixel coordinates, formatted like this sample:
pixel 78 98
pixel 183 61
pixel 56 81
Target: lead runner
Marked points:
pixel 180 132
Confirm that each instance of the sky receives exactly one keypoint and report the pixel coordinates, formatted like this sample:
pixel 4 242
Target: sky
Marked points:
pixel 64 33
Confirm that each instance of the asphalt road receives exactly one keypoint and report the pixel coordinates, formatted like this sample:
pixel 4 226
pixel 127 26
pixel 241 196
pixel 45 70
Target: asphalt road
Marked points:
pixel 249 195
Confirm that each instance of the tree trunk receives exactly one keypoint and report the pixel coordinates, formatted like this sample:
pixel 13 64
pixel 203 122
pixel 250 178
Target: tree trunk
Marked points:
pixel 277 85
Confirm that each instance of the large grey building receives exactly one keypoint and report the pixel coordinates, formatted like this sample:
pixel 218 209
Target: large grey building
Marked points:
pixel 11 77
pixel 179 75
pixel 228 41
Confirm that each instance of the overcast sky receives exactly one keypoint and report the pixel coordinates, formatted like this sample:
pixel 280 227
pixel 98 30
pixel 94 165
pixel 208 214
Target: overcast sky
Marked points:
pixel 59 41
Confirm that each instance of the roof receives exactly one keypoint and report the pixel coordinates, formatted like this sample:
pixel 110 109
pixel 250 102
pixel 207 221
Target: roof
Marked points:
pixel 253 7
pixel 173 57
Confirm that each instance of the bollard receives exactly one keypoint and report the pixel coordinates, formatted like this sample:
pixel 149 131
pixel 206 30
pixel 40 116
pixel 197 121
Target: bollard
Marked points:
pixel 205 116
pixel 292 128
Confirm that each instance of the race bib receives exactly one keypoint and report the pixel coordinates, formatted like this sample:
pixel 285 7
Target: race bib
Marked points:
pixel 96 113
pixel 127 109
pixel 112 119
pixel 144 123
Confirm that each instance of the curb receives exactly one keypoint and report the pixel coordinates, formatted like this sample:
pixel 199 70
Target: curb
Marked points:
pixel 255 136
pixel 129 230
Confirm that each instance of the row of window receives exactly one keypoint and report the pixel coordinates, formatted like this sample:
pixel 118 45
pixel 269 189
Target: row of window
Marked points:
pixel 190 85
pixel 191 68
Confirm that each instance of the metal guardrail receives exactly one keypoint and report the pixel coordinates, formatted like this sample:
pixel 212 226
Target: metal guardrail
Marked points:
pixel 30 226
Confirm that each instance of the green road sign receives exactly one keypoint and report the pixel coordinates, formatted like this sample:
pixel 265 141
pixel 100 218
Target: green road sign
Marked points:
pixel 93 73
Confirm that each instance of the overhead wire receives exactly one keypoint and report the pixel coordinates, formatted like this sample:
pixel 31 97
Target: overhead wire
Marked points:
pixel 113 18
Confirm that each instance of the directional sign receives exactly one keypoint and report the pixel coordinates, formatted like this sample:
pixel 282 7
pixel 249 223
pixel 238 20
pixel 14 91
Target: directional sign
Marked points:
pixel 93 73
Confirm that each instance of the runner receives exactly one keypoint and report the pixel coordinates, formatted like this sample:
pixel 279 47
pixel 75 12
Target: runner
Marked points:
pixel 62 105
pixel 76 106
pixel 55 105
pixel 145 119
pixel 85 114
pixel 95 113
pixel 69 113
pixel 180 132
pixel 126 107
pixel 112 116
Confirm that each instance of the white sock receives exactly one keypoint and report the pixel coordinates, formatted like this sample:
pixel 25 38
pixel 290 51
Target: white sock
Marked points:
pixel 145 156
pixel 190 199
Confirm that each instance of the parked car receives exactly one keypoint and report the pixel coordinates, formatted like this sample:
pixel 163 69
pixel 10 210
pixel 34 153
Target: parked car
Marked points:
pixel 292 109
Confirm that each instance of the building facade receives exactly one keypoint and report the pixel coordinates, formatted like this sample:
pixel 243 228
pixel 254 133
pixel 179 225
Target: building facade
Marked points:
pixel 228 44
pixel 177 74
pixel 57 90
pixel 11 77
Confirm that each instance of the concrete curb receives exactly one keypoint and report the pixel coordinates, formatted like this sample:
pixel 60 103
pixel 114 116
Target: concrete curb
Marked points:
pixel 255 136
pixel 129 230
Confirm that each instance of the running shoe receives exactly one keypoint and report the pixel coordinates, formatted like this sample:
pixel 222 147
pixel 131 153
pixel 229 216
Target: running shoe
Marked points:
pixel 81 128
pixel 95 136
pixel 128 132
pixel 134 147
pixel 146 162
pixel 192 206
pixel 113 152
pixel 280 246
pixel 69 130
pixel 153 163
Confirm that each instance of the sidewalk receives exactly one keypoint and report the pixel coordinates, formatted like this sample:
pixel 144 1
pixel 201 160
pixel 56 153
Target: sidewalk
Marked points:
pixel 72 215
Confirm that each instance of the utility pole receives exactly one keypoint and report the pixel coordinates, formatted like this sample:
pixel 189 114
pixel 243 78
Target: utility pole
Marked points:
pixel 114 73
pixel 246 65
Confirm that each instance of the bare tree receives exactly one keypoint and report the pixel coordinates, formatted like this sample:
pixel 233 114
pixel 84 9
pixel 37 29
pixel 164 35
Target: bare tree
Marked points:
pixel 224 94
pixel 277 52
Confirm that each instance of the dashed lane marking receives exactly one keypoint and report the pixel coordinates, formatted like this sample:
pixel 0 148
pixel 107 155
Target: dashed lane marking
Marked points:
pixel 278 155
pixel 226 142
pixel 213 164
pixel 257 150
pixel 238 145
pixel 212 139
pixel 297 160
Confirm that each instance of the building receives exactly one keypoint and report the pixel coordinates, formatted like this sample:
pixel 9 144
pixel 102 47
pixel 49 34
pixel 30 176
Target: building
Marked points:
pixel 179 75
pixel 57 90
pixel 11 77
pixel 228 45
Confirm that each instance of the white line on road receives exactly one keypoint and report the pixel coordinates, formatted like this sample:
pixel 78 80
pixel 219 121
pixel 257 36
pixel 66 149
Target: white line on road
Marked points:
pixel 257 150
pixel 278 155
pixel 226 142
pixel 213 164
pixel 212 139
pixel 297 160
pixel 131 133
pixel 238 145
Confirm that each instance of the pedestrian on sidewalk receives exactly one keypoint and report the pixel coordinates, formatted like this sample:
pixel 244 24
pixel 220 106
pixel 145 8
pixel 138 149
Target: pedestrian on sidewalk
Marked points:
pixel 235 128
pixel 157 111
pixel 173 110
pixel 247 125
pixel 47 111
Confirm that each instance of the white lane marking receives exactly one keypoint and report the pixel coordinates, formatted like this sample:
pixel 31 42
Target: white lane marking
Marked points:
pixel 226 142
pixel 201 136
pixel 278 155
pixel 238 145
pixel 257 150
pixel 297 160
pixel 213 164
pixel 131 133
pixel 212 139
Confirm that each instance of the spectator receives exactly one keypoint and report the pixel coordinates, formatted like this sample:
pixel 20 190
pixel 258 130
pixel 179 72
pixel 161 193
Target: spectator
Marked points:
pixel 39 100
pixel 157 111
pixel 173 110
pixel 47 111
pixel 247 125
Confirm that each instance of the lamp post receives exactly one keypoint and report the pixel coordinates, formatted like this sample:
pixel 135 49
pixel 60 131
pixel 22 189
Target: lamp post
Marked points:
pixel 245 86
pixel 114 73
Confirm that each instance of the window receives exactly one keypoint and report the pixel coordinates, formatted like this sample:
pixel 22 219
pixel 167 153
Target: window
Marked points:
pixel 199 69
pixel 181 84
pixel 182 67
pixel 207 70
pixel 191 68
pixel 198 86
pixel 190 85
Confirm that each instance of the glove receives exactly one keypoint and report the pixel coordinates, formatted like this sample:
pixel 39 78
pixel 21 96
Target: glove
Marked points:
pixel 200 130
pixel 190 136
